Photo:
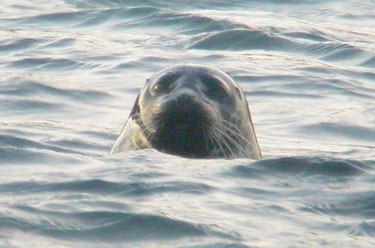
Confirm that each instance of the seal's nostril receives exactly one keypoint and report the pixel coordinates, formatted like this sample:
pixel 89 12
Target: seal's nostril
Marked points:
pixel 185 98
pixel 186 92
pixel 183 104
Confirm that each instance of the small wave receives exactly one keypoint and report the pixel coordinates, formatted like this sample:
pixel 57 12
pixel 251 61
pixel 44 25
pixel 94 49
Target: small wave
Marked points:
pixel 13 142
pixel 115 15
pixel 28 88
pixel 345 52
pixel 11 156
pixel 370 63
pixel 20 106
pixel 216 245
pixel 303 166
pixel 335 51
pixel 46 63
pixel 341 130
pixel 272 93
pixel 243 39
pixel 354 204
pixel 179 22
pixel 85 146
pixel 105 226
pixel 364 228
pixel 312 36
pixel 141 16
pixel 61 139
pixel 11 45
pixel 61 18
pixel 193 23
pixel 270 78
pixel 62 42
pixel 108 188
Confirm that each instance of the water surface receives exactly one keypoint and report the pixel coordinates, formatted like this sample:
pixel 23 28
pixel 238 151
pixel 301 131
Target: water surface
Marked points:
pixel 71 70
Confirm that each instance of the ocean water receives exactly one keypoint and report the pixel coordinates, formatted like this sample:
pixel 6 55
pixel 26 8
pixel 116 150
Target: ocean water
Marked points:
pixel 70 71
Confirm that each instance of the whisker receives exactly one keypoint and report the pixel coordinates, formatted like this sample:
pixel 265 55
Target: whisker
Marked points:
pixel 223 140
pixel 229 141
pixel 217 142
pixel 233 140
pixel 238 132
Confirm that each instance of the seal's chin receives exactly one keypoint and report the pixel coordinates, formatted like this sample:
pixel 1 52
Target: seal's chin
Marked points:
pixel 182 129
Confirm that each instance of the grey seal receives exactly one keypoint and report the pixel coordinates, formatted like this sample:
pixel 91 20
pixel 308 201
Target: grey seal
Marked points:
pixel 193 111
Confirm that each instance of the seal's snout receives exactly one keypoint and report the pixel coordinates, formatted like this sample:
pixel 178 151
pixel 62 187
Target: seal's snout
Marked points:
pixel 181 127
pixel 184 112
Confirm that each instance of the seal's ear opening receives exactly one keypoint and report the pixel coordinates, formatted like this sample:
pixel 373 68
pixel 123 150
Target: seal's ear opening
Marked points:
pixel 238 91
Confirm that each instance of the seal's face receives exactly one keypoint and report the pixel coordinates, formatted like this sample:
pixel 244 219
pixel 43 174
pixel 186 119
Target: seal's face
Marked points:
pixel 192 111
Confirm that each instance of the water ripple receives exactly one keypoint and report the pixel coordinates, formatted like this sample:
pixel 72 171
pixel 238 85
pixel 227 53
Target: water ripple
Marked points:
pixel 28 88
pixel 46 63
pixel 102 226
pixel 356 132
pixel 70 71
pixel 96 186
pixel 304 166
pixel 20 44
pixel 243 39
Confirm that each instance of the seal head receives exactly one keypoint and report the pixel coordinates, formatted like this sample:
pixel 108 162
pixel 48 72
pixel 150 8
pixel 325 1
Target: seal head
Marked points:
pixel 192 111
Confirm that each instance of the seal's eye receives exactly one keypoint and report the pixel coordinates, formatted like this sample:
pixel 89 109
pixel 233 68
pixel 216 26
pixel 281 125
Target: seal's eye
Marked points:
pixel 161 87
pixel 158 87
pixel 165 84
pixel 218 93
pixel 215 88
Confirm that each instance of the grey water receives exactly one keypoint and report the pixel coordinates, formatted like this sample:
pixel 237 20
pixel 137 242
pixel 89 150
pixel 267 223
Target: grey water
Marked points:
pixel 70 71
